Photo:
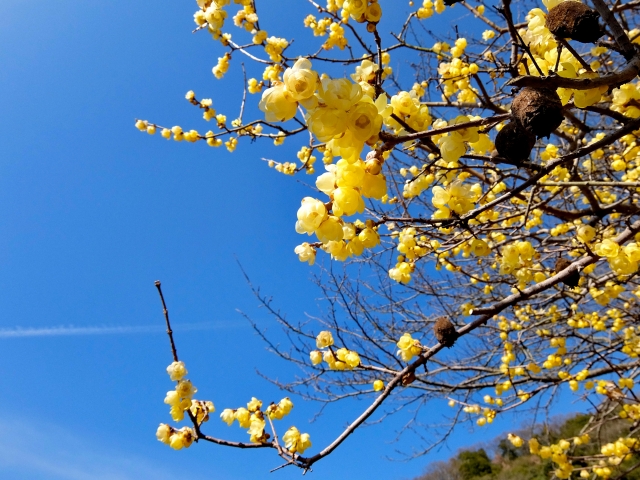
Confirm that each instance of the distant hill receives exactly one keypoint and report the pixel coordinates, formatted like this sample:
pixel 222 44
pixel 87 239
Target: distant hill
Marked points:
pixel 511 463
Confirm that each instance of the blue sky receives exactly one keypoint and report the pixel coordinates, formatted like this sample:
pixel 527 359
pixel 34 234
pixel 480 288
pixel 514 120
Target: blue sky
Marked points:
pixel 92 212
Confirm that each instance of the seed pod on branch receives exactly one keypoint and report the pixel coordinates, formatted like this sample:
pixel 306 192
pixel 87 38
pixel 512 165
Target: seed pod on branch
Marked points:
pixel 573 279
pixel 538 110
pixel 408 379
pixel 445 331
pixel 514 143
pixel 574 20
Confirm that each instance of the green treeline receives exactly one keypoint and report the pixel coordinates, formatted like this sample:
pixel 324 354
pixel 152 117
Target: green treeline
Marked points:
pixel 511 463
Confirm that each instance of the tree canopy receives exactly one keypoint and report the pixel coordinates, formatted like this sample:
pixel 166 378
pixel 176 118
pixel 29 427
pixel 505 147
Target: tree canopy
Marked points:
pixel 477 210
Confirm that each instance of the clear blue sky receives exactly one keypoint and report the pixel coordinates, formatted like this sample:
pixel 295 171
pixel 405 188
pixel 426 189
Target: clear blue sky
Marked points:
pixel 93 211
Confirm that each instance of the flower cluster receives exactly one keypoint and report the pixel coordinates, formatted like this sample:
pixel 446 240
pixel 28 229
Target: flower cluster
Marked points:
pixel 251 418
pixel 175 438
pixel 557 452
pixel 428 7
pixel 457 197
pixel 361 11
pixel 409 347
pixel 401 273
pixel 179 399
pixel 212 15
pixel 345 183
pixel 622 260
pixel 279 102
pixel 341 359
pixel 295 441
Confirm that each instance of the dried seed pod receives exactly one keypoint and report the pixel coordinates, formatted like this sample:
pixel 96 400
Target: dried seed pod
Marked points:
pixel 445 331
pixel 408 379
pixel 538 110
pixel 514 143
pixel 574 20
pixel 573 279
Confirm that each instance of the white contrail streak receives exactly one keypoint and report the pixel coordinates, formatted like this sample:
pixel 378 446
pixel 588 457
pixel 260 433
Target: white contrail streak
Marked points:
pixel 69 330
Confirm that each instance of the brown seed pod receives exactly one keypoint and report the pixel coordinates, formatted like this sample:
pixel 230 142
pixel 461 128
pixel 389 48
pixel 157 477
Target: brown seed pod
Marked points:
pixel 408 379
pixel 573 279
pixel 445 331
pixel 538 110
pixel 574 20
pixel 514 143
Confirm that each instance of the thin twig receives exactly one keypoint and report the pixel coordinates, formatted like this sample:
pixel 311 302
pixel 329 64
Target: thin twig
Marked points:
pixel 166 318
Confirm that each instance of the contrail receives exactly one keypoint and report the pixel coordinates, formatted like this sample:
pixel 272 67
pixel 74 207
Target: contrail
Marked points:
pixel 69 330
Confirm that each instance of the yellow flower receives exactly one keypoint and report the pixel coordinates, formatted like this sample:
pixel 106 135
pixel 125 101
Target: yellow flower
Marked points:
pixel 515 440
pixel 364 120
pixel 306 253
pixel 480 248
pixel 369 238
pixel 286 405
pixel 324 339
pixel 586 233
pixel 440 196
pixel 488 35
pixel 607 248
pixel 227 416
pixel 355 8
pixel 316 357
pixel 451 148
pixel 339 93
pixel 330 230
pixel 469 134
pixel 304 442
pixel 175 441
pixel 378 385
pixel 374 186
pixel 311 214
pixel 404 104
pixel 409 347
pixel 405 342
pixel 256 428
pixel 365 72
pixel 633 252
pixel 401 273
pixel 296 442
pixel 176 371
pixel 347 201
pixel 534 446
pixel 244 417
pixel 163 433
pixel 300 81
pixel 277 104
pixel 352 359
pixel 622 265
pixel 326 123
pixel 254 405
pixel 349 174
pixel 185 389
pixel 373 13
pixel 338 250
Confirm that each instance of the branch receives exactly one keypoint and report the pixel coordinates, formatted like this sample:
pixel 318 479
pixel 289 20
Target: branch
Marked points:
pixel 166 318
pixel 554 81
